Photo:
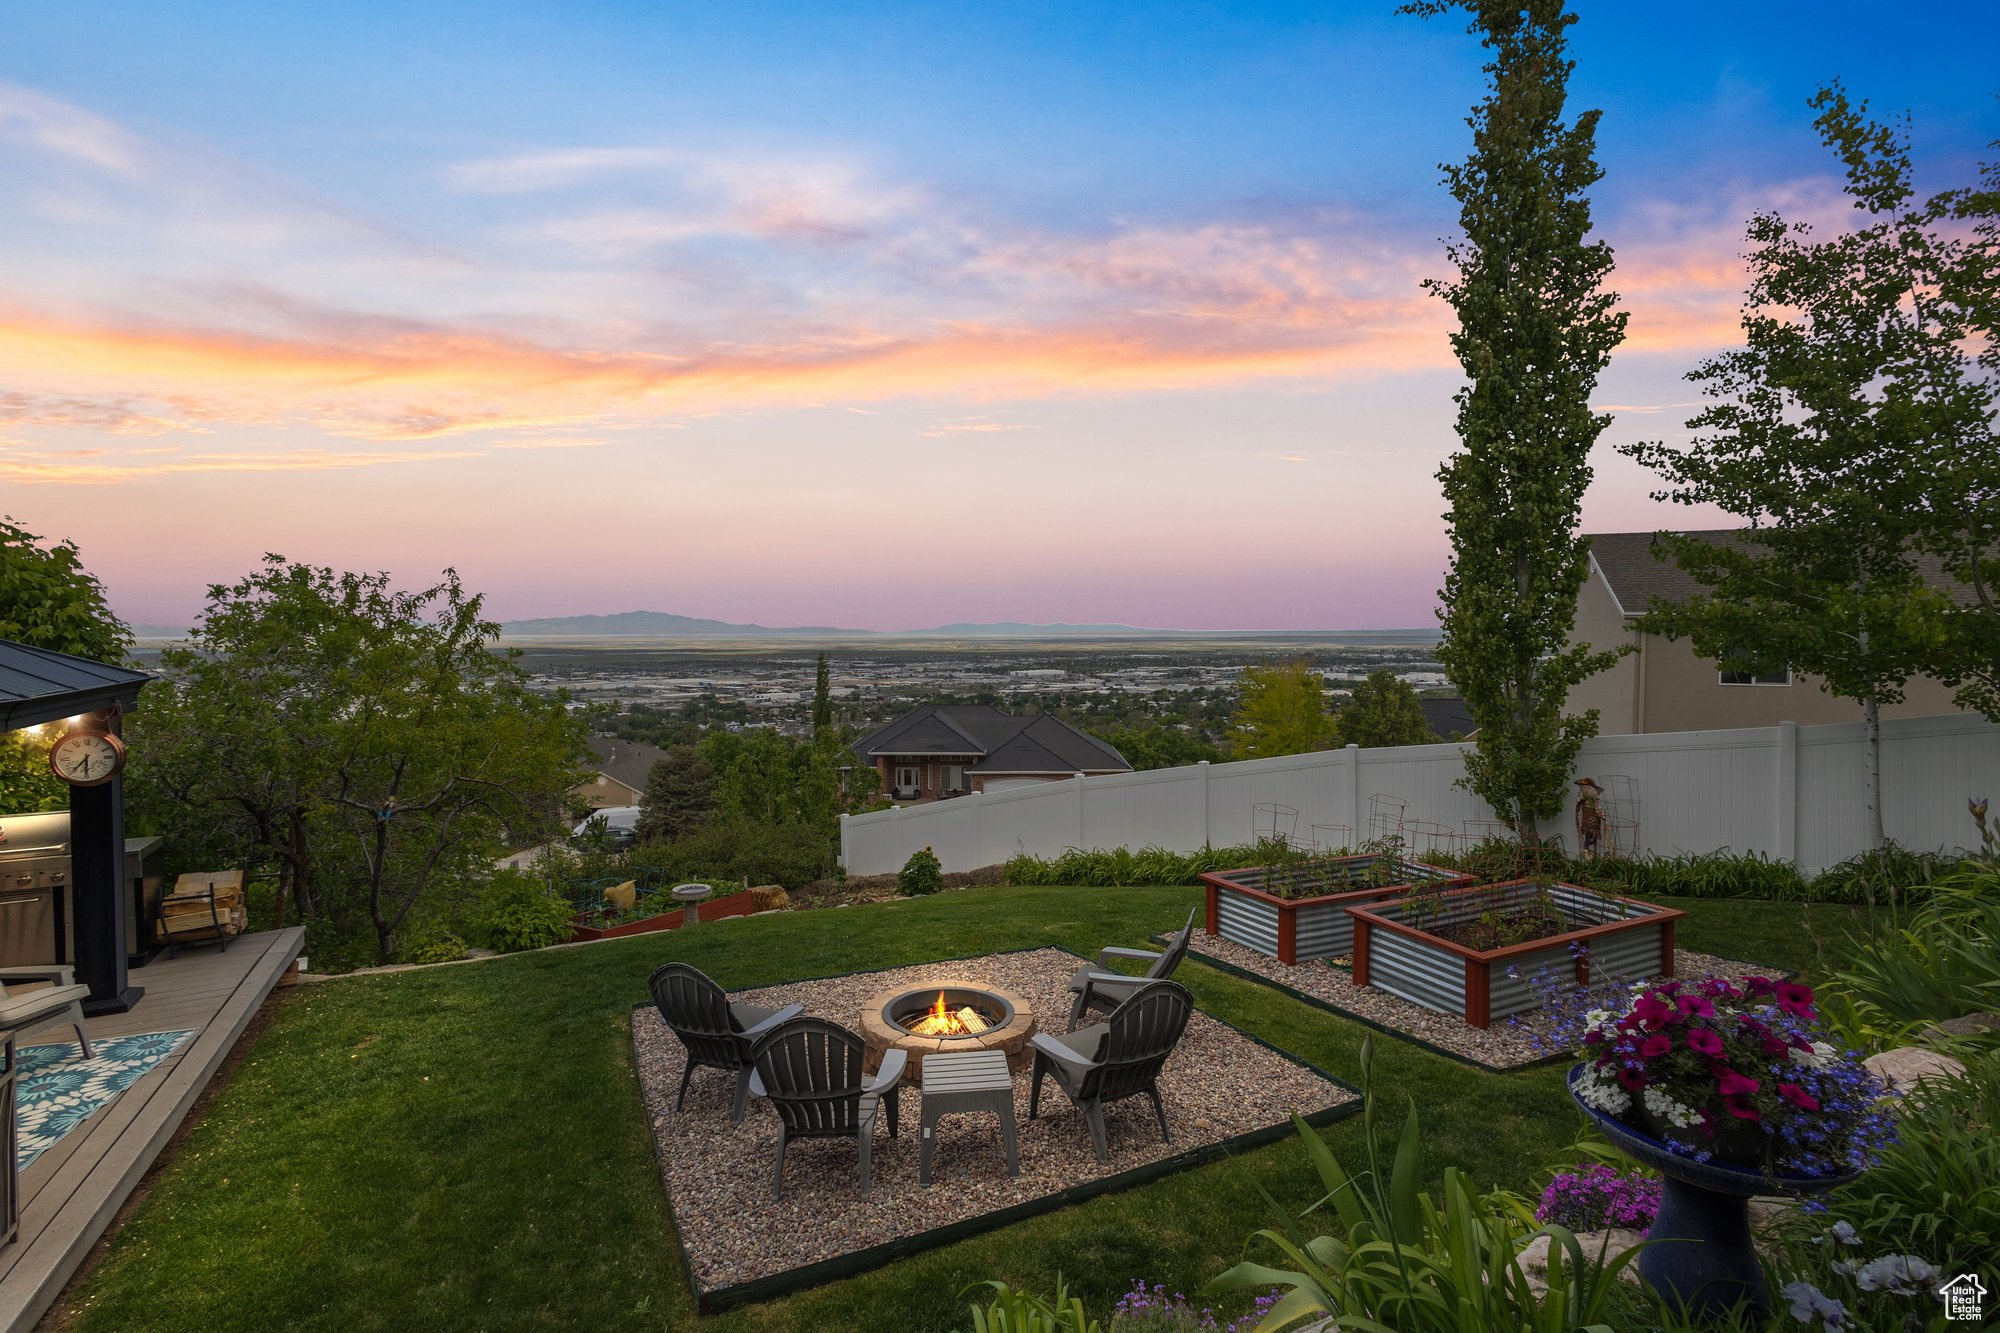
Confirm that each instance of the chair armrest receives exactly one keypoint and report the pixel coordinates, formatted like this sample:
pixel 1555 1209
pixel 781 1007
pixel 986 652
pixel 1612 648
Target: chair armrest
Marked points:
pixel 1063 1053
pixel 1112 979
pixel 893 1061
pixel 55 976
pixel 790 1011
pixel 1109 952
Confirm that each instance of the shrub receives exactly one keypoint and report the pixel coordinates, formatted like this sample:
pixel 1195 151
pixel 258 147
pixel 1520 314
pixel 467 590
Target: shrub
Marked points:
pixel 1944 964
pixel 1936 1191
pixel 732 850
pixel 922 873
pixel 442 947
pixel 1408 1263
pixel 516 913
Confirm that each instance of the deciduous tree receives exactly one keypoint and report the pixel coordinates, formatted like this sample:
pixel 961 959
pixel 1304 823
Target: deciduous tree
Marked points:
pixel 48 600
pixel 1281 710
pixel 1829 431
pixel 366 740
pixel 1383 710
pixel 1535 329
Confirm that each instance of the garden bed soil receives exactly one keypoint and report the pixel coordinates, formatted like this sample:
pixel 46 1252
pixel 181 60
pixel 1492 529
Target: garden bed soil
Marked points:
pixel 1292 926
pixel 1219 1086
pixel 1511 1044
pixel 857 889
pixel 1405 947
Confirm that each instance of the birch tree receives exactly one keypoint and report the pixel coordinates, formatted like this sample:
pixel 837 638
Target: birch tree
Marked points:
pixel 1829 432
pixel 1536 327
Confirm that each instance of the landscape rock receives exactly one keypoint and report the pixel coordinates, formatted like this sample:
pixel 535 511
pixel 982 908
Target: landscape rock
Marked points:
pixel 1610 1244
pixel 1907 1066
pixel 1972 1025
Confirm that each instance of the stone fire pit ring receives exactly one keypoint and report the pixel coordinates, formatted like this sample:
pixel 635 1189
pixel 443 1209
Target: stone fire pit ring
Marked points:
pixel 1010 1034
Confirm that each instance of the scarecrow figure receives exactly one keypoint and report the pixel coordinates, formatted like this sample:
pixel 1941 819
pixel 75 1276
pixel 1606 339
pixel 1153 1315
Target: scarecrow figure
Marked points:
pixel 1590 821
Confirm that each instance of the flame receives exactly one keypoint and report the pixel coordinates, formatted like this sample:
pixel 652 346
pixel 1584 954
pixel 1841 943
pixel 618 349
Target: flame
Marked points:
pixel 941 1021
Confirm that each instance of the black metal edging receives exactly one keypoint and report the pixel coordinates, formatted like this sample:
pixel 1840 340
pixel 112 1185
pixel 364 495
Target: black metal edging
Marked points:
pixel 1330 1007
pixel 860 1261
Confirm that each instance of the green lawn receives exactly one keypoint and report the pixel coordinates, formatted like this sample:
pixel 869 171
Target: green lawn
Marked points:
pixel 464 1147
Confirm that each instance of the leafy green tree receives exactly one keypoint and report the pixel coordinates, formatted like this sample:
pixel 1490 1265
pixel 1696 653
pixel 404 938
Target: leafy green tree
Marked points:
pixel 679 796
pixel 1535 329
pixel 1828 432
pixel 1383 710
pixel 48 600
pixel 367 741
pixel 1149 745
pixel 1281 709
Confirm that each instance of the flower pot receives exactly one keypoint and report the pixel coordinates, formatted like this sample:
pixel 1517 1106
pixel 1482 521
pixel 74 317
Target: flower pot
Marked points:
pixel 1699 1254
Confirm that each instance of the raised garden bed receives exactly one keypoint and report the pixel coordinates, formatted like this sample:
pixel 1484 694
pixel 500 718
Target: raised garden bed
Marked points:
pixel 1299 911
pixel 668 917
pixel 1424 948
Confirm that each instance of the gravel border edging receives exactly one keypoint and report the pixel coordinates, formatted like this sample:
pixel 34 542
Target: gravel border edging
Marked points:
pixel 862 1260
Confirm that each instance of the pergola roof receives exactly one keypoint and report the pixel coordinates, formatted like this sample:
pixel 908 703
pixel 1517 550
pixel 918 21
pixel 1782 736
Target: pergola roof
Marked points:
pixel 37 685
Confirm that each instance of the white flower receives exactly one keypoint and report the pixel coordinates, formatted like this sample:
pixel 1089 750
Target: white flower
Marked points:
pixel 1899 1274
pixel 1675 1113
pixel 1603 1093
pixel 1597 1018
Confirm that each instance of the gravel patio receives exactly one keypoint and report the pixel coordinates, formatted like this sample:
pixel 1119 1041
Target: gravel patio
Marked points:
pixel 1219 1086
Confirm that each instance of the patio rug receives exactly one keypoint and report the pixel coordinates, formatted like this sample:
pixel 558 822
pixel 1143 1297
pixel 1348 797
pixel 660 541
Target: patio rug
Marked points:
pixel 59 1090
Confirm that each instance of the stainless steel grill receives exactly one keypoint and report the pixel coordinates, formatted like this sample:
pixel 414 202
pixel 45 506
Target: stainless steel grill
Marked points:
pixel 35 913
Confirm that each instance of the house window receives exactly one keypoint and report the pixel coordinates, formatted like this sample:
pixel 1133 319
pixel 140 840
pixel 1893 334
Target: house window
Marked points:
pixel 954 777
pixel 1783 676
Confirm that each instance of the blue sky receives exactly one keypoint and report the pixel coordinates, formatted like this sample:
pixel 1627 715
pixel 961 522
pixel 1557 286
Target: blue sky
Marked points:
pixel 1127 291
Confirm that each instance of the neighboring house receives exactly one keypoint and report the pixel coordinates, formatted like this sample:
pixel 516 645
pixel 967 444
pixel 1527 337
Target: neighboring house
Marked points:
pixel 949 750
pixel 1666 686
pixel 622 767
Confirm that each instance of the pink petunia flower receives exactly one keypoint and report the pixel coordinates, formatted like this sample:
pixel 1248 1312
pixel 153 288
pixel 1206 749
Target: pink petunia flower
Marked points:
pixel 1732 1084
pixel 1704 1042
pixel 1632 1080
pixel 1798 1096
pixel 1656 1046
pixel 1741 1108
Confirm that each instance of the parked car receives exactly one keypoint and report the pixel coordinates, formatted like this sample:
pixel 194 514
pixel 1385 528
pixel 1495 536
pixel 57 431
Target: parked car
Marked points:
pixel 620 821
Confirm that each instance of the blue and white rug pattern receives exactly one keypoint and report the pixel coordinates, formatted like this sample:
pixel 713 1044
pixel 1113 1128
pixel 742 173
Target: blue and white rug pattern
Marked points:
pixel 58 1089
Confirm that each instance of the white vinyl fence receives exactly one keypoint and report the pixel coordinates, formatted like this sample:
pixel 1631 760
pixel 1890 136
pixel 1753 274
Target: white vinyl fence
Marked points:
pixel 1788 791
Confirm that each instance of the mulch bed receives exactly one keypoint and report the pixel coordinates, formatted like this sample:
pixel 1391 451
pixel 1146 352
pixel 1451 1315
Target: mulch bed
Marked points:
pixel 1511 1043
pixel 1218 1086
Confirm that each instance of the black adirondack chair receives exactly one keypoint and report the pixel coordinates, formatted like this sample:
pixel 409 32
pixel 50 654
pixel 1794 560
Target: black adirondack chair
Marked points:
pixel 717 1032
pixel 1100 990
pixel 1115 1059
pixel 810 1069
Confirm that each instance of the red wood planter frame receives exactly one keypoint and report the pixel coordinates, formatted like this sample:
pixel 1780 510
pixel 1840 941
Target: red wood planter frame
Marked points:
pixel 715 909
pixel 1479 966
pixel 1290 910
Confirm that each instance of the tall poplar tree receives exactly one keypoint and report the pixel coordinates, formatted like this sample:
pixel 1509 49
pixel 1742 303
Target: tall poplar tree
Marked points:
pixel 1535 329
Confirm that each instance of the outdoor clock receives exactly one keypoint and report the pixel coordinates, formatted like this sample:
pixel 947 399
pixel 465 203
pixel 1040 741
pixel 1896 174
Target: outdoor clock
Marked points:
pixel 87 758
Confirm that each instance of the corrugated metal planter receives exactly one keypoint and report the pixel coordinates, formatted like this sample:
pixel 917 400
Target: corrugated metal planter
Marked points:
pixel 1393 951
pixel 715 909
pixel 1242 909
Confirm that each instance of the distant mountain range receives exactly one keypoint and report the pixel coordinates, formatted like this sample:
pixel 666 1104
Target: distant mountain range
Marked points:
pixel 663 624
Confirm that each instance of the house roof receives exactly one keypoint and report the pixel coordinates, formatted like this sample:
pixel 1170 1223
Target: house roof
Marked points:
pixel 628 762
pixel 40 685
pixel 1640 570
pixel 1001 742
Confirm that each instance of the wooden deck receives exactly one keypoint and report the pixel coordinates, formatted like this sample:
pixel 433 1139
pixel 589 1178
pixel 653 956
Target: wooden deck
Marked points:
pixel 71 1192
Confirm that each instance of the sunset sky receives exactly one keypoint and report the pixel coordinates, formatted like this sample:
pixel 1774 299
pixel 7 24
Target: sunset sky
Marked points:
pixel 868 315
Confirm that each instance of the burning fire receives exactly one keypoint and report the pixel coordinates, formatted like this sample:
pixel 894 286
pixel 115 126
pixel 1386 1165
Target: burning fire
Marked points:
pixel 939 1021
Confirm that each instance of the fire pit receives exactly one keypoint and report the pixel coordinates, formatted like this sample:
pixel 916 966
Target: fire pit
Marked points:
pixel 950 1017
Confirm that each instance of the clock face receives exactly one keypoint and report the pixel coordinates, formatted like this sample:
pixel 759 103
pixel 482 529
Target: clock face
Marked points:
pixel 86 758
